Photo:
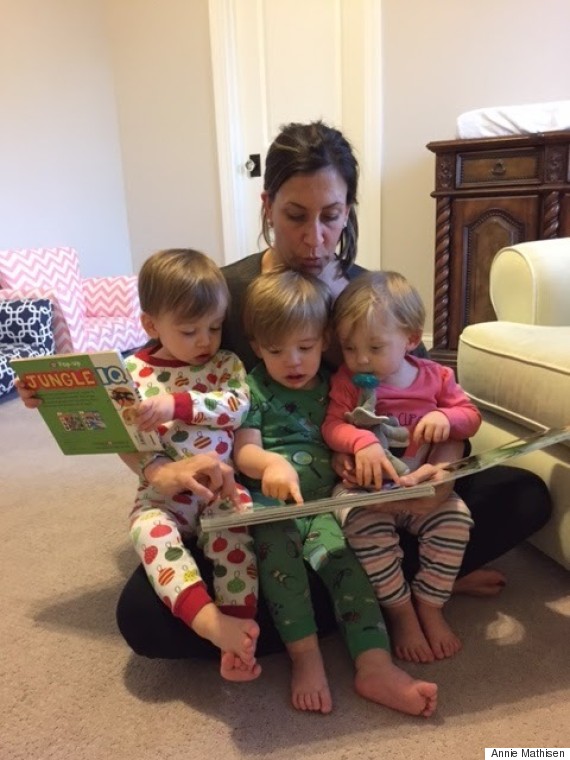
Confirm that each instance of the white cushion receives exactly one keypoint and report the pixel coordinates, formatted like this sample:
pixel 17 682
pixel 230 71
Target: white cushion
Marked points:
pixel 514 120
pixel 519 371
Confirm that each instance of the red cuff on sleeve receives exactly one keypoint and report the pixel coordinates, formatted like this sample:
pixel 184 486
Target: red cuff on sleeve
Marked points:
pixel 244 611
pixel 183 407
pixel 191 601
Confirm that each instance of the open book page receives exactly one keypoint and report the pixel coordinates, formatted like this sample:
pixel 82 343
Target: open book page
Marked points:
pixel 501 454
pixel 260 513
pixel 468 466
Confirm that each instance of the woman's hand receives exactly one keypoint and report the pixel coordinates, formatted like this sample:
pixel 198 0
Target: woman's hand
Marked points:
pixel 202 474
pixel 27 395
pixel 281 481
pixel 343 465
pixel 425 473
pixel 440 455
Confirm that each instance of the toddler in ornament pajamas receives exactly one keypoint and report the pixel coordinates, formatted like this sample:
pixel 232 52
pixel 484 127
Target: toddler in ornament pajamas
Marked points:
pixel 209 402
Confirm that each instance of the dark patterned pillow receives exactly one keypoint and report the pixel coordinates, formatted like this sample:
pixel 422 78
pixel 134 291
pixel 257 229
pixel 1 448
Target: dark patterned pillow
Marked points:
pixel 6 375
pixel 27 320
pixel 25 330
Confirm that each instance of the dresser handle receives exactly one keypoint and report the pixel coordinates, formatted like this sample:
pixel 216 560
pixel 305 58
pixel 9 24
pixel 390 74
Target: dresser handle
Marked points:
pixel 499 169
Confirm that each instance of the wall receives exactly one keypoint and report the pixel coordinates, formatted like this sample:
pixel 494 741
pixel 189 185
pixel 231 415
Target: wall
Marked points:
pixel 163 80
pixel 440 59
pixel 107 115
pixel 60 166
pixel 107 135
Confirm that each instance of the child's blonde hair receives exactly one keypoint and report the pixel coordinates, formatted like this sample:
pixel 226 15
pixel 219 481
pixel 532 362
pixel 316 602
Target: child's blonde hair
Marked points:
pixel 387 292
pixel 279 303
pixel 182 282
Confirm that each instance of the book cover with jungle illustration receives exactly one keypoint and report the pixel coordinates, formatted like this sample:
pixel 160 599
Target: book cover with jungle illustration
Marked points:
pixel 88 402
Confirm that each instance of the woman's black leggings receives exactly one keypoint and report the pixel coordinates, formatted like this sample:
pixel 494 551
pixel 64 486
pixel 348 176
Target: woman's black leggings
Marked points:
pixel 507 504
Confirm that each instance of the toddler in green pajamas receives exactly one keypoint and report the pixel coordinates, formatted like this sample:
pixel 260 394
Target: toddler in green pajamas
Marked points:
pixel 281 454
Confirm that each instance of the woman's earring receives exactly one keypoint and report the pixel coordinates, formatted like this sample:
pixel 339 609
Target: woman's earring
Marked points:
pixel 270 233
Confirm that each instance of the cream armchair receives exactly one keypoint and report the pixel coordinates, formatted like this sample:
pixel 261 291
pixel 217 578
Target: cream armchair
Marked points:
pixel 517 369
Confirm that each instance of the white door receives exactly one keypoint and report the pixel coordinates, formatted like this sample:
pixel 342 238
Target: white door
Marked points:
pixel 277 61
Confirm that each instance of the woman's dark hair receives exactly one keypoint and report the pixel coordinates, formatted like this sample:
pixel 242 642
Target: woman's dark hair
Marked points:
pixel 306 149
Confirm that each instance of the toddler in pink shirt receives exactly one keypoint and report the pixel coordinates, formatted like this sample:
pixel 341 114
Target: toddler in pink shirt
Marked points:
pixel 379 319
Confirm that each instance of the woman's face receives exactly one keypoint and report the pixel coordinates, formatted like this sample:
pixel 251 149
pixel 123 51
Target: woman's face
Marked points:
pixel 308 214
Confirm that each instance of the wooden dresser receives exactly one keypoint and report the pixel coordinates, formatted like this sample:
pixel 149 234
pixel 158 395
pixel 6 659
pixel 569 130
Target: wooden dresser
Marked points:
pixel 490 193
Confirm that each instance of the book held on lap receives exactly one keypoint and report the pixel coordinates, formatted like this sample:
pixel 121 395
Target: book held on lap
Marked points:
pixel 470 465
pixel 260 513
pixel 88 402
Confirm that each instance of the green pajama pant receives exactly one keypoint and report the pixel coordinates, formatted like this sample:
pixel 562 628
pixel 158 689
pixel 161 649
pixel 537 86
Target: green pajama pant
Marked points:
pixel 282 549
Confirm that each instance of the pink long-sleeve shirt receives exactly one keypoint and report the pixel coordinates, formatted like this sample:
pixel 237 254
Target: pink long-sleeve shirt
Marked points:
pixel 434 388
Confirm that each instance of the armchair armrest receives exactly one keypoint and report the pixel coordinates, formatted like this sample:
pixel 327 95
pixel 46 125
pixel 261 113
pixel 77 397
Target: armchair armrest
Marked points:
pixel 530 283
pixel 61 327
pixel 111 296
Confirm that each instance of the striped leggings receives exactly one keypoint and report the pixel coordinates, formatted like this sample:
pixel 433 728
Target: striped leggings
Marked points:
pixel 442 537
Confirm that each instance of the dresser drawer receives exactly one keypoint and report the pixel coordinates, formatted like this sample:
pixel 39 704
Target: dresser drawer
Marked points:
pixel 498 168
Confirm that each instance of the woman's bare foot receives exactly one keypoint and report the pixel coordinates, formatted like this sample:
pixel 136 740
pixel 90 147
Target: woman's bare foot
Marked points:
pixel 379 680
pixel 234 669
pixel 482 582
pixel 237 636
pixel 408 639
pixel 442 640
pixel 309 685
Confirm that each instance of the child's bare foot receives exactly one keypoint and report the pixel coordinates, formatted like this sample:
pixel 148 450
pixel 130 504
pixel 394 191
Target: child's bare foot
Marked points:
pixel 442 640
pixel 379 680
pixel 236 635
pixel 234 669
pixel 309 685
pixel 408 639
pixel 482 582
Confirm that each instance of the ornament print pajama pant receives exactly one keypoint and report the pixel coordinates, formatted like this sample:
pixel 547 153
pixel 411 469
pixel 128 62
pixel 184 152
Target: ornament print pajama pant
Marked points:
pixel 442 535
pixel 157 528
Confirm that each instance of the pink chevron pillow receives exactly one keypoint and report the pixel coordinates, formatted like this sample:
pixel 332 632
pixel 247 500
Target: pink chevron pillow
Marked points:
pixel 56 268
pixel 115 296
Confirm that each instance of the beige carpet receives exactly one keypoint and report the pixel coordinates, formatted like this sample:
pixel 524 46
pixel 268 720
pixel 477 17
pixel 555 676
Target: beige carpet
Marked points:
pixel 70 688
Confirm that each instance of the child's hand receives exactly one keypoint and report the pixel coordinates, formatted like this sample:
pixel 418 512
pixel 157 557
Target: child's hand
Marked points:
pixel 27 395
pixel 280 481
pixel 370 464
pixel 433 428
pixel 154 411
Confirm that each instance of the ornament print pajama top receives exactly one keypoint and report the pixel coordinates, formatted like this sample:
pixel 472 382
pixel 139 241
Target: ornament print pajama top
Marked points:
pixel 210 402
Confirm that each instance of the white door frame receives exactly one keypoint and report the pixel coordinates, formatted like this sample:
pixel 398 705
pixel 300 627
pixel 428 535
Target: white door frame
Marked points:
pixel 228 133
pixel 361 117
